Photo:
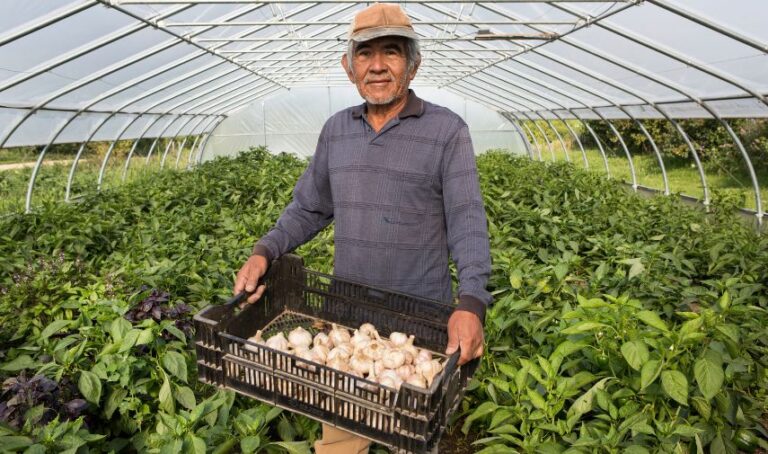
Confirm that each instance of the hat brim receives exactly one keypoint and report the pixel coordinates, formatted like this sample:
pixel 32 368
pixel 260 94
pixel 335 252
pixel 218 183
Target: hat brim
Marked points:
pixel 377 32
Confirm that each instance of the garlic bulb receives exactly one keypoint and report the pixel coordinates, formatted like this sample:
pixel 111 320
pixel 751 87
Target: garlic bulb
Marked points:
pixel 391 375
pixel 256 338
pixel 374 350
pixel 429 369
pixel 398 339
pixel 368 330
pixel 299 337
pixel 416 380
pixel 424 355
pixel 389 382
pixel 378 367
pixel 338 353
pixel 360 363
pixel 322 339
pixel 309 355
pixel 405 371
pixel 278 342
pixel 339 335
pixel 362 345
pixel 393 359
pixel 321 351
pixel 338 364
pixel 359 337
pixel 347 347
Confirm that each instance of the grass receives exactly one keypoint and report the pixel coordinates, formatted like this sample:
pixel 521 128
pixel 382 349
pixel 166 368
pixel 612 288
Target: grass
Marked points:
pixel 682 175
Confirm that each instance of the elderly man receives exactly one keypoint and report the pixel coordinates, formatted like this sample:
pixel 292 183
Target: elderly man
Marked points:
pixel 397 174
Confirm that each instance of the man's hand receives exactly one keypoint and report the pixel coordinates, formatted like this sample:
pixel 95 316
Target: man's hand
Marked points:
pixel 249 275
pixel 465 331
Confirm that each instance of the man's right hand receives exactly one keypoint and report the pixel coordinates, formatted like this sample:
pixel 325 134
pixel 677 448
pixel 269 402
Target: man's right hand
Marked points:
pixel 249 275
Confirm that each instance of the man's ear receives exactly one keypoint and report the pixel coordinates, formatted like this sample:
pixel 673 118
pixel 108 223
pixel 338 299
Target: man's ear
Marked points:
pixel 416 65
pixel 347 69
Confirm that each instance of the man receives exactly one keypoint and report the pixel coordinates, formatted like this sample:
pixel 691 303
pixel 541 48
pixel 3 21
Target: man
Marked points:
pixel 398 176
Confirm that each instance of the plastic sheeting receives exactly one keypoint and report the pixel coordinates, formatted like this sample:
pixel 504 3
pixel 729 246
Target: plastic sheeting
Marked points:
pixel 154 58
pixel 291 122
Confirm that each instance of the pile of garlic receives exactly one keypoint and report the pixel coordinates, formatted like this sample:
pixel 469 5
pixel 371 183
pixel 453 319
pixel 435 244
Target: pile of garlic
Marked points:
pixel 390 362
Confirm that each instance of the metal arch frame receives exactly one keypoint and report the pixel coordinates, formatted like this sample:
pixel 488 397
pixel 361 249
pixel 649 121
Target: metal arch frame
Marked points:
pixel 759 213
pixel 80 83
pixel 31 184
pixel 575 137
pixel 141 136
pixel 208 2
pixel 154 142
pixel 184 142
pixel 534 48
pixel 559 138
pixel 61 14
pixel 519 130
pixel 173 141
pixel 207 138
pixel 589 74
pixel 201 136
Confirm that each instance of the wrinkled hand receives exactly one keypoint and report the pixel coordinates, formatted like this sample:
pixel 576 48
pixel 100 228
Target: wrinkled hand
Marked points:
pixel 465 331
pixel 248 278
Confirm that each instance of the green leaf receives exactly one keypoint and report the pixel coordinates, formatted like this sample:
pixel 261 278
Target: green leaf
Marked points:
pixel 293 447
pixel 675 385
pixel 484 409
pixel 686 430
pixel 175 364
pixel 166 398
pixel 146 336
pixel 250 444
pixel 129 340
pixel 725 301
pixel 717 446
pixel 635 270
pixel 652 319
pixel 114 399
pixel 561 270
pixel 507 370
pixel 14 442
pixel 21 362
pixel 90 386
pixel 516 279
pixel 583 404
pixel 582 327
pixel 649 372
pixel 709 375
pixel 636 353
pixel 179 334
pixel 119 328
pixel 54 327
pixel 537 400
pixel 186 397
pixel 636 449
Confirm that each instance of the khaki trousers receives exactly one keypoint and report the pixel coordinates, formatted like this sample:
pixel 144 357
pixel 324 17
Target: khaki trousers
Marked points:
pixel 337 441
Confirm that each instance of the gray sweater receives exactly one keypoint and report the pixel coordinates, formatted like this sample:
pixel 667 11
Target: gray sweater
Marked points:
pixel 403 201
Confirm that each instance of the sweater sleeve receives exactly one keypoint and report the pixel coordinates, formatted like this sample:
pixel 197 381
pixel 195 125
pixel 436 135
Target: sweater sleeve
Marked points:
pixel 309 212
pixel 466 223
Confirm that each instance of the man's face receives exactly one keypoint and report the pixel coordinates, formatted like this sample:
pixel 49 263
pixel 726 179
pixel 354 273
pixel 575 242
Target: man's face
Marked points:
pixel 379 70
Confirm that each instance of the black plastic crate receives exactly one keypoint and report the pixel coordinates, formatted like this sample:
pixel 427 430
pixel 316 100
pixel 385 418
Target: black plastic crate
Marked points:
pixel 410 419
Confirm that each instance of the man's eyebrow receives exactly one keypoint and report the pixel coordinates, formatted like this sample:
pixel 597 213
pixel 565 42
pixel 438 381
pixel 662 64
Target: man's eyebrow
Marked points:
pixel 394 45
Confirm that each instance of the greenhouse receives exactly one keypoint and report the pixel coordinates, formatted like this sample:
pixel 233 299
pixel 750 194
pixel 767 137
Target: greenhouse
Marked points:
pixel 584 182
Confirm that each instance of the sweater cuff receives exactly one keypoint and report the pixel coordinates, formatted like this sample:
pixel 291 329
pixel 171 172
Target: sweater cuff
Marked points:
pixel 263 251
pixel 471 304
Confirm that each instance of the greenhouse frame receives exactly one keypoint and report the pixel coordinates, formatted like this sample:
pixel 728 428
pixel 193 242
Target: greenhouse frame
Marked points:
pixel 149 147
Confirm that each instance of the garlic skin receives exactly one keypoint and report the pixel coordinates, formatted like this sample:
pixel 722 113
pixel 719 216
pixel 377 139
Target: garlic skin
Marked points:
pixel 300 337
pixel 359 337
pixel 398 339
pixel 322 339
pixel 389 382
pixel 347 347
pixel 374 350
pixel 393 359
pixel 360 363
pixel 405 371
pixel 378 367
pixel 429 369
pixel 416 380
pixel 339 335
pixel 278 342
pixel 391 375
pixel 424 355
pixel 338 364
pixel 321 351
pixel 368 330
pixel 338 353
pixel 256 338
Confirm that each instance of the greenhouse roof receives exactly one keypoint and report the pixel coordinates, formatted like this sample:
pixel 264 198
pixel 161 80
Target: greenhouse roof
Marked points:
pixel 99 68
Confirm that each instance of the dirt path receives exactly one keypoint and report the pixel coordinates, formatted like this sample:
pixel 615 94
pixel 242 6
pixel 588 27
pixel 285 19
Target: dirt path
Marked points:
pixel 24 165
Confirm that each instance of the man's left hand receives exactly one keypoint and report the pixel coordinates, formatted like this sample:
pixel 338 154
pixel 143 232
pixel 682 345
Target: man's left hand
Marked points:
pixel 465 331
